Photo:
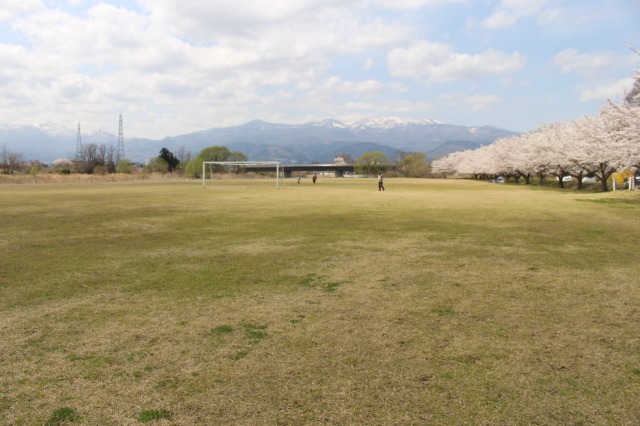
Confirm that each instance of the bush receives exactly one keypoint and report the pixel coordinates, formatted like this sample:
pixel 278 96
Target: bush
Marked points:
pixel 194 168
pixel 124 166
pixel 100 170
pixel 156 165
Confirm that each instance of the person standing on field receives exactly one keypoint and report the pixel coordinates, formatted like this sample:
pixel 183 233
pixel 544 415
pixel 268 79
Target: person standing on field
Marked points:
pixel 380 182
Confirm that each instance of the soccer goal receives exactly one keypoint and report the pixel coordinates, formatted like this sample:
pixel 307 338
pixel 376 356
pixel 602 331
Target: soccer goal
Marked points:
pixel 266 164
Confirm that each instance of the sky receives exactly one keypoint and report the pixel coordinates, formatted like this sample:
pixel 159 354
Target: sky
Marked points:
pixel 172 67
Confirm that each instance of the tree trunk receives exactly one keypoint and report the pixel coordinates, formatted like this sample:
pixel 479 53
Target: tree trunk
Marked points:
pixel 603 185
pixel 541 178
pixel 605 176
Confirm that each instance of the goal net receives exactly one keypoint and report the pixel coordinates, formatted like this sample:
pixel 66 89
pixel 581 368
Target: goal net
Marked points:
pixel 210 166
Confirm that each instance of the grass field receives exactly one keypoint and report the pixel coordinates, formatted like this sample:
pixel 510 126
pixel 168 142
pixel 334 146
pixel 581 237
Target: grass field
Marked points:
pixel 434 302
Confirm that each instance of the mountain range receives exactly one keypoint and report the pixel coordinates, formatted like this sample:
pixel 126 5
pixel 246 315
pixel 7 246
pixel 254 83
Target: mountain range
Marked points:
pixel 318 141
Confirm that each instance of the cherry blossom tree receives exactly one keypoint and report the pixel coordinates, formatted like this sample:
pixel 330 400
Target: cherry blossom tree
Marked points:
pixel 623 125
pixel 444 166
pixel 598 151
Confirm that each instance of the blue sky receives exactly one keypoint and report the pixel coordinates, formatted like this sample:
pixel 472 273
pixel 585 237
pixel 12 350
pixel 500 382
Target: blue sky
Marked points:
pixel 173 67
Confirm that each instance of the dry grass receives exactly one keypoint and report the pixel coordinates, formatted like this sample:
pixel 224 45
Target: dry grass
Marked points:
pixel 434 302
pixel 51 177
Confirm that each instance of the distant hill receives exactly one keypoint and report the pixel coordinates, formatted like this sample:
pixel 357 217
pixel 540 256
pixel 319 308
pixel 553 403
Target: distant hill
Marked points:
pixel 312 142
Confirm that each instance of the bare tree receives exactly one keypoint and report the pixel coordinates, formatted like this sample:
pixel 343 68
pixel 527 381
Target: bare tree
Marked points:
pixel 110 158
pixel 184 155
pixel 88 158
pixel 348 159
pixel 102 154
pixel 9 160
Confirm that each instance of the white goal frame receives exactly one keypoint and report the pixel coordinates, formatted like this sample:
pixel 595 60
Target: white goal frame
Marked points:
pixel 278 164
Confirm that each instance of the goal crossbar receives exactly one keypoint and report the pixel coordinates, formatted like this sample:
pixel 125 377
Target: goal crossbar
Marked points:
pixel 278 165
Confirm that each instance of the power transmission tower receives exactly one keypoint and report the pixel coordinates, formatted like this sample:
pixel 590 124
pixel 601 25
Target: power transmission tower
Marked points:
pixel 79 144
pixel 120 153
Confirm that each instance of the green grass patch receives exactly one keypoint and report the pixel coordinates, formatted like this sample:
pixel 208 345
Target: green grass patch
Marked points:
pixel 255 333
pixel 61 416
pixel 222 329
pixel 153 415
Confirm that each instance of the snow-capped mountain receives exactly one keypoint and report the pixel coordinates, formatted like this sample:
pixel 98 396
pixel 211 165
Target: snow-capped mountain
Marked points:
pixel 330 123
pixel 55 130
pixel 317 141
pixel 382 123
pixel 387 123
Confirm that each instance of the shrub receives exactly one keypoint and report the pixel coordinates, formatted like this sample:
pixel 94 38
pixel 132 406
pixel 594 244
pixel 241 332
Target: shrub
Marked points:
pixel 124 166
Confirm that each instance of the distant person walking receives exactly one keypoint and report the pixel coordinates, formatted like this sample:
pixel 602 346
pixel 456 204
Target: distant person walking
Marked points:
pixel 299 177
pixel 315 177
pixel 380 182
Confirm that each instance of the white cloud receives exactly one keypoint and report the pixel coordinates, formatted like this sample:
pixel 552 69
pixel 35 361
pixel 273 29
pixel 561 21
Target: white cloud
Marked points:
pixel 416 61
pixel 368 64
pixel 592 64
pixel 615 90
pixel 107 36
pixel 10 9
pixel 559 19
pixel 594 70
pixel 398 87
pixel 336 84
pixel 353 111
pixel 413 4
pixel 509 12
pixel 440 63
pixel 469 102
pixel 209 19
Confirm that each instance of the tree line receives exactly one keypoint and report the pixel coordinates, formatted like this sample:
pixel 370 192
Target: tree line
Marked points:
pixel 101 159
pixel 408 164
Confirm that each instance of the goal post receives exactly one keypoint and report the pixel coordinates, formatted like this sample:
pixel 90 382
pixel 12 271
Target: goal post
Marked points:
pixel 278 165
